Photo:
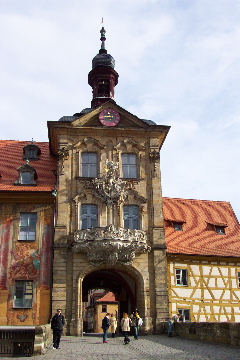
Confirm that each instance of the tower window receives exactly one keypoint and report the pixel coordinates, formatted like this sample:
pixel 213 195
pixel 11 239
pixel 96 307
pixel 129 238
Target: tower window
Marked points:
pixel 23 294
pixel 131 217
pixel 104 88
pixel 89 216
pixel 181 277
pixel 129 166
pixel 28 223
pixel 89 164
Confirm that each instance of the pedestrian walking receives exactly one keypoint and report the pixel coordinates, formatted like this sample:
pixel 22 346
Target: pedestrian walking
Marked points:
pixel 105 326
pixel 57 323
pixel 113 325
pixel 125 326
pixel 175 318
pixel 135 317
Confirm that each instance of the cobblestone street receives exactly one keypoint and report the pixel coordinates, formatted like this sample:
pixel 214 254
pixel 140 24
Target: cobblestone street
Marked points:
pixel 152 347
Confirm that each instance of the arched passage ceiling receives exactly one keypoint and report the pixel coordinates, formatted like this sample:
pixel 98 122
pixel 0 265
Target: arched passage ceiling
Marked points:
pixel 109 279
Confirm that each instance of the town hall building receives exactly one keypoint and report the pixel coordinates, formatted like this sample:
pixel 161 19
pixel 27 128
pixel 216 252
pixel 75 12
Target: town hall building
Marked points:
pixel 85 211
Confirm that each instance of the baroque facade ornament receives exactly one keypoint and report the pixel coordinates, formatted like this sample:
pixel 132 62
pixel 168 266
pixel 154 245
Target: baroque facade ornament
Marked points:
pixel 110 244
pixel 109 187
pixel 63 154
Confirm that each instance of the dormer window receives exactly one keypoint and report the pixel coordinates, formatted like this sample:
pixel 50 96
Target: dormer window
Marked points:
pixel 26 175
pixel 31 152
pixel 177 226
pixel 220 230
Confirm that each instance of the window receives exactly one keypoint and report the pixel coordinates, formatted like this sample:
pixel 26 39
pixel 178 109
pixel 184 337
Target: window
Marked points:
pixel 177 226
pixel 220 230
pixel 89 165
pixel 104 308
pixel 181 277
pixel 129 166
pixel 131 217
pixel 23 294
pixel 238 274
pixel 31 151
pixel 28 226
pixel 89 216
pixel 185 314
pixel 26 177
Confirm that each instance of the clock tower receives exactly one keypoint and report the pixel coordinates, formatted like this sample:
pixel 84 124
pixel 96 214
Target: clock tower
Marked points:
pixel 102 78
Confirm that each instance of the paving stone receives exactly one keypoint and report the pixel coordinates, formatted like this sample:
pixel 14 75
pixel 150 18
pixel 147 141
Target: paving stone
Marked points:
pixel 151 347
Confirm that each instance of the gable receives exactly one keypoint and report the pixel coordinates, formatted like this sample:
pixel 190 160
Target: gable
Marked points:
pixel 127 120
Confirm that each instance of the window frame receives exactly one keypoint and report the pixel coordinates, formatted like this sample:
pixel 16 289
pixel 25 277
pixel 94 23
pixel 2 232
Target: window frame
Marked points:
pixel 181 280
pixel 183 312
pixel 94 165
pixel 29 215
pixel 89 216
pixel 131 216
pixel 24 292
pixel 128 165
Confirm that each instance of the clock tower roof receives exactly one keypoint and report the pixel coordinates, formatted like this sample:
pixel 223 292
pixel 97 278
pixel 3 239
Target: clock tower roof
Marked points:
pixel 102 78
pixel 103 58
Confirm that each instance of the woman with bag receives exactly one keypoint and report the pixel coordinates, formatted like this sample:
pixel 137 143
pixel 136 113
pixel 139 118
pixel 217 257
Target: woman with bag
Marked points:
pixel 125 326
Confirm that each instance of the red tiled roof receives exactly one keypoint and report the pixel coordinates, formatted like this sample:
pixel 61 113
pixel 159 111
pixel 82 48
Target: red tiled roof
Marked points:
pixel 11 157
pixel 109 297
pixel 198 235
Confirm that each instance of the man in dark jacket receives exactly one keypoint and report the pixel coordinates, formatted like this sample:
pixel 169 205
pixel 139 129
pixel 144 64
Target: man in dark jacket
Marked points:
pixel 57 324
pixel 105 326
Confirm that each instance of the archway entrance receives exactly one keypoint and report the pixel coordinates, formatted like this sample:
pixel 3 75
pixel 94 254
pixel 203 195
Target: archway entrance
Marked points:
pixel 115 281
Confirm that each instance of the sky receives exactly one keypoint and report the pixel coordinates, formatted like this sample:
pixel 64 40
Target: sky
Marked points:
pixel 178 63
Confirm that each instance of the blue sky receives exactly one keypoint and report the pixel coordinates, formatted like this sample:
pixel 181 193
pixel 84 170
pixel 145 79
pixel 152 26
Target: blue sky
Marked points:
pixel 178 65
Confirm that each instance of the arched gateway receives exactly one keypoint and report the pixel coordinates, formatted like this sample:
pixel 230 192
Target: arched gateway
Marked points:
pixel 109 225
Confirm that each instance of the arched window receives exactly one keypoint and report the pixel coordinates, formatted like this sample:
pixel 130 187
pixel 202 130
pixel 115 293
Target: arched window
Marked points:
pixel 131 217
pixel 89 216
pixel 129 166
pixel 26 175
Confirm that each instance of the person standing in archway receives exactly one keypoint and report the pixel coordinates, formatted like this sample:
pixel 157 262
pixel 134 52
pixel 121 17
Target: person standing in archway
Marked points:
pixel 105 326
pixel 113 325
pixel 125 326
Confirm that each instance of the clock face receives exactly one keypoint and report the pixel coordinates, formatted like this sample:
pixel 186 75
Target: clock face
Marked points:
pixel 109 117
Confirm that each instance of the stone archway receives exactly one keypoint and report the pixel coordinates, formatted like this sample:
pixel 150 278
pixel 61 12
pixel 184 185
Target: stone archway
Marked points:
pixel 126 282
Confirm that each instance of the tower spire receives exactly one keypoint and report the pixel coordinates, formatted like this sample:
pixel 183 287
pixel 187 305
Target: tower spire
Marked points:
pixel 102 78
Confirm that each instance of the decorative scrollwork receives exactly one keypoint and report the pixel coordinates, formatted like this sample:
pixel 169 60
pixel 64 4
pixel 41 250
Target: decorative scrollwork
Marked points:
pixel 109 187
pixel 110 244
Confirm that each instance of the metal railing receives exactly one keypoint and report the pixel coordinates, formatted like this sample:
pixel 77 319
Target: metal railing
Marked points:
pixel 17 342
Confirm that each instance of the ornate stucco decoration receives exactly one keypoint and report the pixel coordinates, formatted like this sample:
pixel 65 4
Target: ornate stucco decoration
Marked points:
pixel 109 187
pixel 110 244
pixel 154 156
pixel 63 154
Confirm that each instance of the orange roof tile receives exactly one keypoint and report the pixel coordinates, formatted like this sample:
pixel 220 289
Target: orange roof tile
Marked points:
pixel 109 297
pixel 11 157
pixel 198 235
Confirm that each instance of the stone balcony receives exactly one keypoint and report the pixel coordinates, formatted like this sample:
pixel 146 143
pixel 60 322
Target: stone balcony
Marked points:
pixel 110 244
